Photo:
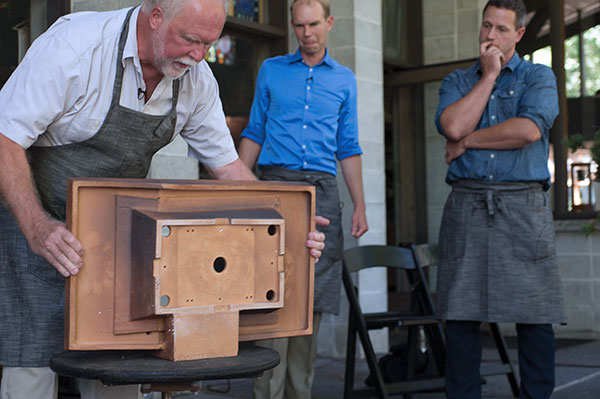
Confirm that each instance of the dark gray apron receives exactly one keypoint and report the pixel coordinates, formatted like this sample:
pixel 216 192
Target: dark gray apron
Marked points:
pixel 31 290
pixel 328 271
pixel 497 255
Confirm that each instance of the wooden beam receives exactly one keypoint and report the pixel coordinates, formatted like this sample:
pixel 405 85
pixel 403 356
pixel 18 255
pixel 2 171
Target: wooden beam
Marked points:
pixel 533 28
pixel 430 73
pixel 534 5
pixel 559 130
pixel 570 30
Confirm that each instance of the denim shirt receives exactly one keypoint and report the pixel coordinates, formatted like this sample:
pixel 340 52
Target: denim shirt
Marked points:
pixel 304 117
pixel 522 90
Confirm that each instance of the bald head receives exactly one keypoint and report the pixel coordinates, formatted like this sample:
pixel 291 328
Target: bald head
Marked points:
pixel 326 4
pixel 173 7
pixel 174 35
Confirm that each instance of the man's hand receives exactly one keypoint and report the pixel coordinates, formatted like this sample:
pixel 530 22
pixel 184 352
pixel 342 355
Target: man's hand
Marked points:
pixel 46 236
pixel 316 239
pixel 53 241
pixel 454 150
pixel 359 223
pixel 491 58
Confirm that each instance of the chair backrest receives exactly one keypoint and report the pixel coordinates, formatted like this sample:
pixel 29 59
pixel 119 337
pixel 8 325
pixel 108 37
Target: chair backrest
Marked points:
pixel 366 256
pixel 425 254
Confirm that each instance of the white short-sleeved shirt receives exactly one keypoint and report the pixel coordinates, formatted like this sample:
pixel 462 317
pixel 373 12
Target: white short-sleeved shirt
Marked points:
pixel 62 90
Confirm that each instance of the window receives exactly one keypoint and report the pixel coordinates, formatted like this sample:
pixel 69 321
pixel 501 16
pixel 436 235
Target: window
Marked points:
pixel 584 114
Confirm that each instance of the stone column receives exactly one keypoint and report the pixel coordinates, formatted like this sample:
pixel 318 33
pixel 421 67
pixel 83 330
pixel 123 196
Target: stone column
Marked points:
pixel 356 42
pixel 450 33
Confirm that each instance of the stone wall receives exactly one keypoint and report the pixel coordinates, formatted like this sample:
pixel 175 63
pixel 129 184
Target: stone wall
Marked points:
pixel 101 5
pixel 579 263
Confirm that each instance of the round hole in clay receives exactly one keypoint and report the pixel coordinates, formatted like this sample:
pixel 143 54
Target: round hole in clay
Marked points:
pixel 272 230
pixel 270 295
pixel 219 264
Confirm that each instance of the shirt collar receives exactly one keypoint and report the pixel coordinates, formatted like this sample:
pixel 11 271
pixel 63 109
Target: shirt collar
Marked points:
pixel 512 64
pixel 297 57
pixel 131 44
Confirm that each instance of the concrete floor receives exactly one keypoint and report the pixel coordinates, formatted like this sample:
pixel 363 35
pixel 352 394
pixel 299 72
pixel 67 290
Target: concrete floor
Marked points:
pixel 577 376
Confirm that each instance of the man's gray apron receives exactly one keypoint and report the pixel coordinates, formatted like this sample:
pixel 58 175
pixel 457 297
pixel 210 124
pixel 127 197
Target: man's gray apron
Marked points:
pixel 31 290
pixel 497 255
pixel 328 271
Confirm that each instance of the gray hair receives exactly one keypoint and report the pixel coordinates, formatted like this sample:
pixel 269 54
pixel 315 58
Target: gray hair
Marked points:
pixel 172 7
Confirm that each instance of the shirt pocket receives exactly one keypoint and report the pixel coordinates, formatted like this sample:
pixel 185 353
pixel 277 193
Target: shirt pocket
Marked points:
pixel 508 100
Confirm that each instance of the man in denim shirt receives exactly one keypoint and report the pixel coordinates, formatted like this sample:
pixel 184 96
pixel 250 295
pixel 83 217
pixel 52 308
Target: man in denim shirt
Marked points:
pixel 497 255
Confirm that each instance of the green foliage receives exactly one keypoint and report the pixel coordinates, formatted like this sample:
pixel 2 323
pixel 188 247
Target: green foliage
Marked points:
pixel 590 227
pixel 591 53
pixel 574 142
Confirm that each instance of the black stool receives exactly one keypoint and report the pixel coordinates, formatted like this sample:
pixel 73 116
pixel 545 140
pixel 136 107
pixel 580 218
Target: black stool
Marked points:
pixel 139 367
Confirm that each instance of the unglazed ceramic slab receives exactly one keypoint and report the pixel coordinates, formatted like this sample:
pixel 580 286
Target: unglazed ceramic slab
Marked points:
pixel 188 268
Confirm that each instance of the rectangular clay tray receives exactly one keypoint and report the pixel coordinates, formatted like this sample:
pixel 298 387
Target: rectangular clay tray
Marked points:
pixel 115 303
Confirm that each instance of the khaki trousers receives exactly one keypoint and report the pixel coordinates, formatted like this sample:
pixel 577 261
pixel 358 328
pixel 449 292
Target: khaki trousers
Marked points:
pixel 42 383
pixel 293 377
pixel 28 382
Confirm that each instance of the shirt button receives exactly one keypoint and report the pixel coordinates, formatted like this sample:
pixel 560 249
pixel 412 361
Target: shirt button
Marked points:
pixel 491 177
pixel 97 123
pixel 305 163
pixel 303 147
pixel 492 96
pixel 493 117
pixel 306 107
pixel 492 156
pixel 310 69
pixel 511 92
pixel 307 87
pixel 303 126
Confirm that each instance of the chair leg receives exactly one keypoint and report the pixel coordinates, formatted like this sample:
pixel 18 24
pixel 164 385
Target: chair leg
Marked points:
pixel 503 352
pixel 411 356
pixel 437 343
pixel 350 360
pixel 363 335
pixel 372 362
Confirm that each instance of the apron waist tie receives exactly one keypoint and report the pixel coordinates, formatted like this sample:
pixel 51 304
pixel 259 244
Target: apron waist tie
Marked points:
pixel 491 202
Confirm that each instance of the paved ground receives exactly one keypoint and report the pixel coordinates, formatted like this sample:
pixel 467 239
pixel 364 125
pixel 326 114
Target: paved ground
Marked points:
pixel 577 376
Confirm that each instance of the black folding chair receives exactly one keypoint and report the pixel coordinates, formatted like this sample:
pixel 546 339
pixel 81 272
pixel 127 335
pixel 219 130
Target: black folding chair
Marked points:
pixel 420 314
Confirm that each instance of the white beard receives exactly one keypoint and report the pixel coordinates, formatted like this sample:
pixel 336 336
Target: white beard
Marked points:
pixel 166 65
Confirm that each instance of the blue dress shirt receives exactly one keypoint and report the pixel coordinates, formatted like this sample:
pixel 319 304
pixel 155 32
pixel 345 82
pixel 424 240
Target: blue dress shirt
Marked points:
pixel 522 90
pixel 304 117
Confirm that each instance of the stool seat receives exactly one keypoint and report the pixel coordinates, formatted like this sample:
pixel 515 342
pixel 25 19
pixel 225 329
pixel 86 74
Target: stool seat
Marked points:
pixel 140 367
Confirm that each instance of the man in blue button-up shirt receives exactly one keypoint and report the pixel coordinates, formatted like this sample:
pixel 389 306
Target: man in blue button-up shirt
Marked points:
pixel 304 118
pixel 497 255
